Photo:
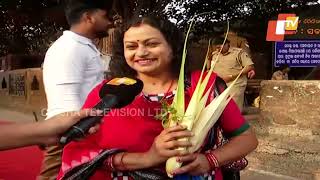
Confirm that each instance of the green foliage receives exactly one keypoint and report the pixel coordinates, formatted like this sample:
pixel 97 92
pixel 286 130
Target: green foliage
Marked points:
pixel 168 114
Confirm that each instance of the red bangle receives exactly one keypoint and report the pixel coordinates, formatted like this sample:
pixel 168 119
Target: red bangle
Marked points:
pixel 212 159
pixel 108 163
pixel 211 163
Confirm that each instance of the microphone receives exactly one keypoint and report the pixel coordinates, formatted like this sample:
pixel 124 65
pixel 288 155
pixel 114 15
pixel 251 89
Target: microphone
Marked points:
pixel 116 93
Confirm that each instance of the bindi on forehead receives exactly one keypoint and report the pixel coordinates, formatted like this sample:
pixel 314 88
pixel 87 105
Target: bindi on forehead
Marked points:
pixel 143 40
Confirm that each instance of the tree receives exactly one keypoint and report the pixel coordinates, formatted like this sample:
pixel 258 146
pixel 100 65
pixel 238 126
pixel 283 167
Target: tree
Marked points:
pixel 28 26
pixel 249 16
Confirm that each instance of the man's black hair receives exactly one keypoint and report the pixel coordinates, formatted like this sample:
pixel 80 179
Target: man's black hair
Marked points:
pixel 75 8
pixel 283 66
pixel 219 40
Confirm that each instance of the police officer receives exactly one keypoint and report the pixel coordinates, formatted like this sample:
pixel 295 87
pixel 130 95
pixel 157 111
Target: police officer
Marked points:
pixel 228 64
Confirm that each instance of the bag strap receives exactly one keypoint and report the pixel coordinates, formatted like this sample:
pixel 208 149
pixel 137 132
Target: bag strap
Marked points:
pixel 86 170
pixel 219 87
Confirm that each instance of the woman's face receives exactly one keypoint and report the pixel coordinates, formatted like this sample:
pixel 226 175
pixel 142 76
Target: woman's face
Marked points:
pixel 146 50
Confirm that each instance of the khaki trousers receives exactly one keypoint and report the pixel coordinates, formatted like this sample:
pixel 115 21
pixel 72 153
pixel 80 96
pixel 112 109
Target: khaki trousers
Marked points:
pixel 51 163
pixel 239 96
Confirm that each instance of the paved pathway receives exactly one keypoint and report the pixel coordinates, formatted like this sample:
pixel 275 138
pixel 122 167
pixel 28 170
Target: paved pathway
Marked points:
pixel 13 116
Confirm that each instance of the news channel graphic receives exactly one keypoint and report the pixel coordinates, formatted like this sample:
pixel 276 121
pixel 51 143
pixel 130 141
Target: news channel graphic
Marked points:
pixel 308 29
pixel 286 24
pixel 297 53
pixel 296 40
pixel 292 27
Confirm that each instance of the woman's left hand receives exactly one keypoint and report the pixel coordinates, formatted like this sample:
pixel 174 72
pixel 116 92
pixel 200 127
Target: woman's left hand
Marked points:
pixel 194 164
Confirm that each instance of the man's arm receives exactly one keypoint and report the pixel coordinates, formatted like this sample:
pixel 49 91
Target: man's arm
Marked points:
pixel 44 132
pixel 247 63
pixel 63 75
pixel 211 58
pixel 247 69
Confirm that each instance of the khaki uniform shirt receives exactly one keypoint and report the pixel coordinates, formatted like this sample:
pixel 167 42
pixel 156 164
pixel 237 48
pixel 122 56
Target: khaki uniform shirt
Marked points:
pixel 231 63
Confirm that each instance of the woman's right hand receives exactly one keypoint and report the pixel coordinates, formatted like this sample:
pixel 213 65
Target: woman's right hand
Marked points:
pixel 166 143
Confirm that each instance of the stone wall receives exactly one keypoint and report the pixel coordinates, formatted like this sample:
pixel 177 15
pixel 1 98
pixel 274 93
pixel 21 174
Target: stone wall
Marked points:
pixel 23 90
pixel 292 103
pixel 288 130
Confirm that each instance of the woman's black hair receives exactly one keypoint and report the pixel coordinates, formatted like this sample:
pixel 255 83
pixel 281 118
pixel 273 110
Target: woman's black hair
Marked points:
pixel 173 35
